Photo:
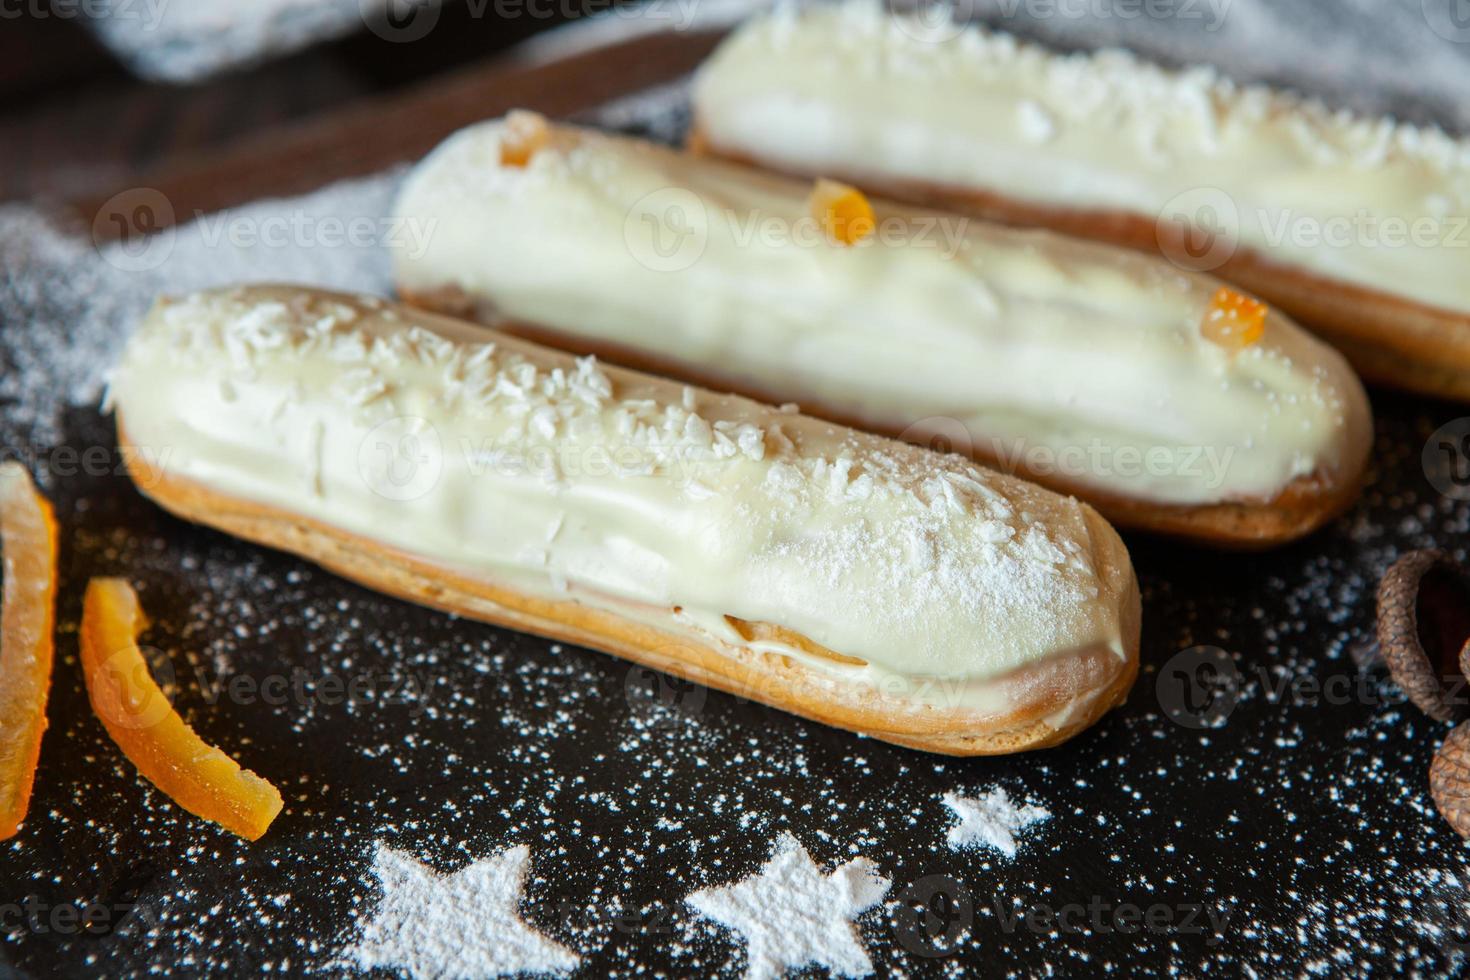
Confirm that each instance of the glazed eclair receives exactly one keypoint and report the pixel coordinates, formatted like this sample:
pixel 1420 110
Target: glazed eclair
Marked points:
pixel 854 580
pixel 1168 402
pixel 1359 227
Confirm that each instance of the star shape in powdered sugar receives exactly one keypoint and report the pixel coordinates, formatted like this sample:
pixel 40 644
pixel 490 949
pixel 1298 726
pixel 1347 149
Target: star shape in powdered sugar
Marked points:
pixel 991 820
pixel 463 924
pixel 791 915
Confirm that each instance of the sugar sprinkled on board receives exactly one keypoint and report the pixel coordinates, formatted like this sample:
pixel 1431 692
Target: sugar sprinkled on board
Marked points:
pixel 68 305
pixel 791 915
pixel 990 820
pixel 464 924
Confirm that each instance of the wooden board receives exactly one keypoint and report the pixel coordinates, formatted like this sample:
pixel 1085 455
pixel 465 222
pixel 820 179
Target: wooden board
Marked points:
pixel 370 137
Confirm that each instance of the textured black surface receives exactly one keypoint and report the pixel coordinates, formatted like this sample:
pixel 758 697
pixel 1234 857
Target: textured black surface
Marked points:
pixel 1303 817
pixel 1310 822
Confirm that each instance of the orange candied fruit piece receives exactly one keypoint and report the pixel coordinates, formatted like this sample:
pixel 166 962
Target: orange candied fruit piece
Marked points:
pixel 27 615
pixel 843 211
pixel 522 136
pixel 194 774
pixel 1234 320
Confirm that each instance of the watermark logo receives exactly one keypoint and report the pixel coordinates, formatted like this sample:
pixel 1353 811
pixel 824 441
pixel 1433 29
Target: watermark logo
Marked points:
pixel 405 234
pixel 134 230
pixel 34 915
pixel 150 12
pixel 1199 687
pixel 1454 935
pixel 931 21
pixel 1450 19
pixel 135 693
pixel 941 434
pixel 1100 916
pixel 146 465
pixel 654 921
pixel 402 458
pixel 400 21
pixel 933 916
pixel 662 700
pixel 667 230
pixel 1199 229
pixel 1206 466
pixel 1096 459
pixel 386 689
pixel 1446 459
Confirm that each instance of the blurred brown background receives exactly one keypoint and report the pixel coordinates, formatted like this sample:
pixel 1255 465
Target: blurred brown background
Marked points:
pixel 74 123
pixel 78 125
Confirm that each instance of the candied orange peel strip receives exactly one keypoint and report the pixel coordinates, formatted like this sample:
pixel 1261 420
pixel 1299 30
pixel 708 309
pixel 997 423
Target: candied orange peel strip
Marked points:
pixel 843 211
pixel 522 136
pixel 27 617
pixel 195 775
pixel 1234 320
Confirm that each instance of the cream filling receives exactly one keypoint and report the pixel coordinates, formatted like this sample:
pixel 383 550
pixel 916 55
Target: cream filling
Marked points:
pixel 1060 358
pixel 562 478
pixel 848 90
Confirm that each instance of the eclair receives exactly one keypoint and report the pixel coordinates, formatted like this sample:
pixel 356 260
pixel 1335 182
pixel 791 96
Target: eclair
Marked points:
pixel 851 579
pixel 1358 227
pixel 1167 401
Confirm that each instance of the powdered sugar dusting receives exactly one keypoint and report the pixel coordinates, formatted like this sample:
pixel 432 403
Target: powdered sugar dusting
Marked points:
pixel 464 924
pixel 68 306
pixel 792 915
pixel 990 820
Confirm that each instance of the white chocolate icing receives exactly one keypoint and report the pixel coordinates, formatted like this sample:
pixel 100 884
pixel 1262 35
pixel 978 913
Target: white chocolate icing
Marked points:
pixel 562 478
pixel 1028 346
pixel 850 90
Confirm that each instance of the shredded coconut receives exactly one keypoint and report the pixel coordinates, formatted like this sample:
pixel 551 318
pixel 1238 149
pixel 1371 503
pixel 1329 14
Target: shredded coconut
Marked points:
pixel 1117 85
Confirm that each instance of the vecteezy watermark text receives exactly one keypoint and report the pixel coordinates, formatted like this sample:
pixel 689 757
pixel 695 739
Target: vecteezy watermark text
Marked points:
pixel 145 464
pixel 407 21
pixel 1100 916
pixel 668 230
pixel 301 229
pixel 149 12
pixel 304 688
pixel 1201 686
pixel 136 230
pixel 1206 466
pixel 934 915
pixel 151 693
pixel 35 915
pixel 1200 229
